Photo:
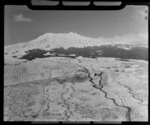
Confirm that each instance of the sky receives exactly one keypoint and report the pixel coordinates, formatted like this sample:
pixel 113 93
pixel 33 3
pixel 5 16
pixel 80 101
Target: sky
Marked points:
pixel 22 24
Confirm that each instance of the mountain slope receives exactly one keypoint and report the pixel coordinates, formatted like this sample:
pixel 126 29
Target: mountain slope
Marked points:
pixel 73 45
pixel 51 40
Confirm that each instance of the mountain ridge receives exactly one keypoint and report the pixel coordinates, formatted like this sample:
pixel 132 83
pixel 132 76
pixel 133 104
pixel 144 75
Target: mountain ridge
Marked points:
pixel 56 40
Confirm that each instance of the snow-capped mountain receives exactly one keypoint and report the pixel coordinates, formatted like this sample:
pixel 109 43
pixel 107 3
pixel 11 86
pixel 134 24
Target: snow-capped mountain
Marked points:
pixel 49 41
pixel 64 44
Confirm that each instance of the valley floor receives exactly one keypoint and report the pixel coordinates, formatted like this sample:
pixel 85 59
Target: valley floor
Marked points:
pixel 82 89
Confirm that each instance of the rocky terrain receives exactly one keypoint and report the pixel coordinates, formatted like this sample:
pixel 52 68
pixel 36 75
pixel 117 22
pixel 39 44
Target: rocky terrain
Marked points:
pixel 60 88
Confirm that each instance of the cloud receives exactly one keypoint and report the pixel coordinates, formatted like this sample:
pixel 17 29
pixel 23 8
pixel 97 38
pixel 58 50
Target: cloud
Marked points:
pixel 21 18
pixel 138 39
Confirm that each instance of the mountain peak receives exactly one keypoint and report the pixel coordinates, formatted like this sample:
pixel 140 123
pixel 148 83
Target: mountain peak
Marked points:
pixel 69 35
pixel 71 39
pixel 72 33
pixel 59 34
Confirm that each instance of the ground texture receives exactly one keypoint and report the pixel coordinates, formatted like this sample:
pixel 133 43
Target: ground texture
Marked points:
pixel 81 89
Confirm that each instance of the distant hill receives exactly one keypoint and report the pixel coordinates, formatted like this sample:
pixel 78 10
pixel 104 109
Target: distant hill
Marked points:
pixel 73 45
